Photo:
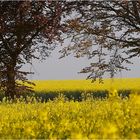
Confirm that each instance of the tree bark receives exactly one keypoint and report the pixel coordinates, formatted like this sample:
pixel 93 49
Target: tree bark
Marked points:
pixel 11 83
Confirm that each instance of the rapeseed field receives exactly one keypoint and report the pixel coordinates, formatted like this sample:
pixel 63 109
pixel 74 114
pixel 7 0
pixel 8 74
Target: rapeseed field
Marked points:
pixel 108 118
pixel 86 85
pixel 62 119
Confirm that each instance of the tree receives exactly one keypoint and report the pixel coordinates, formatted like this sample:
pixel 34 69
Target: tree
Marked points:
pixel 109 31
pixel 29 30
pixel 24 27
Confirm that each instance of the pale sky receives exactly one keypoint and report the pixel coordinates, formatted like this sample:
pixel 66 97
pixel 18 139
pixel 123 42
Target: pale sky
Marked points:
pixel 67 68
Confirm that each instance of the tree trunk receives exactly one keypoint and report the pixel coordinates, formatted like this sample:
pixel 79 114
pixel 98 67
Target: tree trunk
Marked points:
pixel 11 83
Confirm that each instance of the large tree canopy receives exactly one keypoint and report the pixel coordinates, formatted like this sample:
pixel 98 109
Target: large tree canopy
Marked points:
pixel 107 30
pixel 26 27
pixel 28 30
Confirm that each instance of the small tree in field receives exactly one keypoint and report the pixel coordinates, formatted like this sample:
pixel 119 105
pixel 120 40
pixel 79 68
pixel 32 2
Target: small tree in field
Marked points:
pixel 26 28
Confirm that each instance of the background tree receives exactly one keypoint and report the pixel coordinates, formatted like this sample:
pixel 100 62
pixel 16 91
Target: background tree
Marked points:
pixel 107 32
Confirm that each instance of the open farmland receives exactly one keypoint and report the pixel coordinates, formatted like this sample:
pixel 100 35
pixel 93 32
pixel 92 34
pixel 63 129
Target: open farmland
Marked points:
pixel 60 118
pixel 100 119
pixel 75 89
pixel 69 39
pixel 86 85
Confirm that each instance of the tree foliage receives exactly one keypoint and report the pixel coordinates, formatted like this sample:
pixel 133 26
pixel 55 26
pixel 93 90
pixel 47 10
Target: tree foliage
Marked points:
pixel 109 31
pixel 27 28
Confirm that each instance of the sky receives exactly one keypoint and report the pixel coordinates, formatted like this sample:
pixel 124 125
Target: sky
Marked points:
pixel 54 68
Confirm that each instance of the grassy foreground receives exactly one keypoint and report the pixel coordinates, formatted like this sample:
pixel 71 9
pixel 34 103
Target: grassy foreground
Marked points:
pixel 110 118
